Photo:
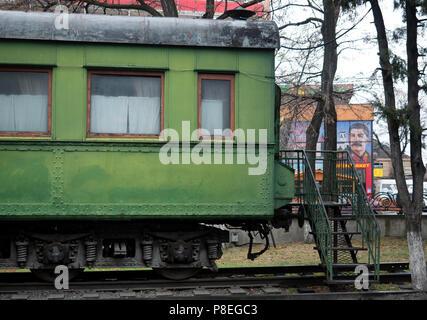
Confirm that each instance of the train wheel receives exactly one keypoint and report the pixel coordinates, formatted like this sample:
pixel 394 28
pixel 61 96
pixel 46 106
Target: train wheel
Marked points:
pixel 177 273
pixel 48 275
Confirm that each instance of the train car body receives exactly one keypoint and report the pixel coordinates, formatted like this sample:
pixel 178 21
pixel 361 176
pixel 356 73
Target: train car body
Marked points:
pixel 103 160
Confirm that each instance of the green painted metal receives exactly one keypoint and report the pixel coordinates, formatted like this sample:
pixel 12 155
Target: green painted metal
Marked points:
pixel 126 181
pixel 284 185
pixel 69 175
pixel 345 188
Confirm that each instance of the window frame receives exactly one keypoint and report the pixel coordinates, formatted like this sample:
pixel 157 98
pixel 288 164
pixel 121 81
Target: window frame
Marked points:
pixel 47 133
pixel 215 76
pixel 125 73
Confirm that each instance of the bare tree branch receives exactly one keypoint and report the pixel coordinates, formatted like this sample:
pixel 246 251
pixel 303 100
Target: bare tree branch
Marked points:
pixel 308 20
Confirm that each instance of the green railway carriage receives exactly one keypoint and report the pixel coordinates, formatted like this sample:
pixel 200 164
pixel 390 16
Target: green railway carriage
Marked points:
pixel 105 128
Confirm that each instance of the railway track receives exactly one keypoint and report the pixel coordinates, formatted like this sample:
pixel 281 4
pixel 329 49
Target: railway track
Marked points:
pixel 284 282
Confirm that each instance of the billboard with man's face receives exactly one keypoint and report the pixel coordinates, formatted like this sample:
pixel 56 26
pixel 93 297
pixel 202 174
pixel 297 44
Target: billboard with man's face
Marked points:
pixel 354 136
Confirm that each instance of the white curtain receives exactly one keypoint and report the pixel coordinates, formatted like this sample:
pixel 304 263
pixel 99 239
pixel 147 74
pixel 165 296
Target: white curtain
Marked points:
pixel 133 115
pixel 125 104
pixel 215 105
pixel 212 115
pixel 108 114
pixel 144 115
pixel 23 102
pixel 20 113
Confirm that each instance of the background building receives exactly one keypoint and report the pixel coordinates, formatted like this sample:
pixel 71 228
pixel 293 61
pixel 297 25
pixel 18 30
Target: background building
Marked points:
pixel 186 8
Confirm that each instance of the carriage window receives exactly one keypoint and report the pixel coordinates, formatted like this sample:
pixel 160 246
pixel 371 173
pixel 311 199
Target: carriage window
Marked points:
pixel 125 104
pixel 24 102
pixel 216 102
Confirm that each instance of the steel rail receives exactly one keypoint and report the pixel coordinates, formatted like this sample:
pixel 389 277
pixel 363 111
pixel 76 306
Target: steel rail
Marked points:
pixel 269 288
pixel 7 277
pixel 264 281
pixel 288 281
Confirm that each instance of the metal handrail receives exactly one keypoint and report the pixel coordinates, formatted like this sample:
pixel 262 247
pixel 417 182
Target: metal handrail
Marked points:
pixel 313 202
pixel 374 253
pixel 346 176
pixel 345 183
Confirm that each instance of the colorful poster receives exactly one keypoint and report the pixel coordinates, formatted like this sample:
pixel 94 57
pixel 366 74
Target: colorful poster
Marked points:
pixel 359 141
pixel 354 136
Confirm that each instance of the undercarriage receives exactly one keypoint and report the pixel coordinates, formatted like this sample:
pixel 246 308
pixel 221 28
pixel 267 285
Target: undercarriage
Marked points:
pixel 161 246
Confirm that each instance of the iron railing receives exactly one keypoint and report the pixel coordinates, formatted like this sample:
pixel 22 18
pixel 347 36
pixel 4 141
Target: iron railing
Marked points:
pixel 365 218
pixel 307 193
pixel 331 176
pixel 388 202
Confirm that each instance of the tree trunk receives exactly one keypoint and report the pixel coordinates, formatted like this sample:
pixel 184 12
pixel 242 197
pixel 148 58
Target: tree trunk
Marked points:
pixel 325 108
pixel 417 260
pixel 390 104
pixel 169 8
pixel 312 133
pixel 330 60
pixel 413 216
pixel 411 207
pixel 210 9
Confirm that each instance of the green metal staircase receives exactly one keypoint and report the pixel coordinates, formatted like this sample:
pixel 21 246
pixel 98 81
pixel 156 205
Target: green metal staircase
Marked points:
pixel 337 208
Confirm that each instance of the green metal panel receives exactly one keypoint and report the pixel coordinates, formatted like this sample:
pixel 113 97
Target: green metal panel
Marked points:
pixel 129 176
pixel 126 181
pixel 71 55
pixel 284 184
pixel 218 59
pixel 25 52
pixel 69 103
pixel 181 90
pixel 126 56
pixel 26 177
pixel 257 62
pixel 256 88
pixel 256 110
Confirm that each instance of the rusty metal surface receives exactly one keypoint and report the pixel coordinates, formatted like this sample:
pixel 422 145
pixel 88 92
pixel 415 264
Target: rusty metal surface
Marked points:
pixel 140 30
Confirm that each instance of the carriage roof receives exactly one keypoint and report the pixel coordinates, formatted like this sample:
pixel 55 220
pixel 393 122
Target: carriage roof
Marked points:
pixel 140 30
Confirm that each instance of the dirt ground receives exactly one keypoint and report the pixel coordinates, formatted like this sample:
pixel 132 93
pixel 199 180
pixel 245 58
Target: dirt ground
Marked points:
pixel 299 253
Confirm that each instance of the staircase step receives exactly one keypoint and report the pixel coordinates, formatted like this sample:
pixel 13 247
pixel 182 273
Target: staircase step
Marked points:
pixel 340 282
pixel 349 281
pixel 346 233
pixel 345 248
pixel 346 266
pixel 340 233
pixel 350 267
pixel 332 204
pixel 342 218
